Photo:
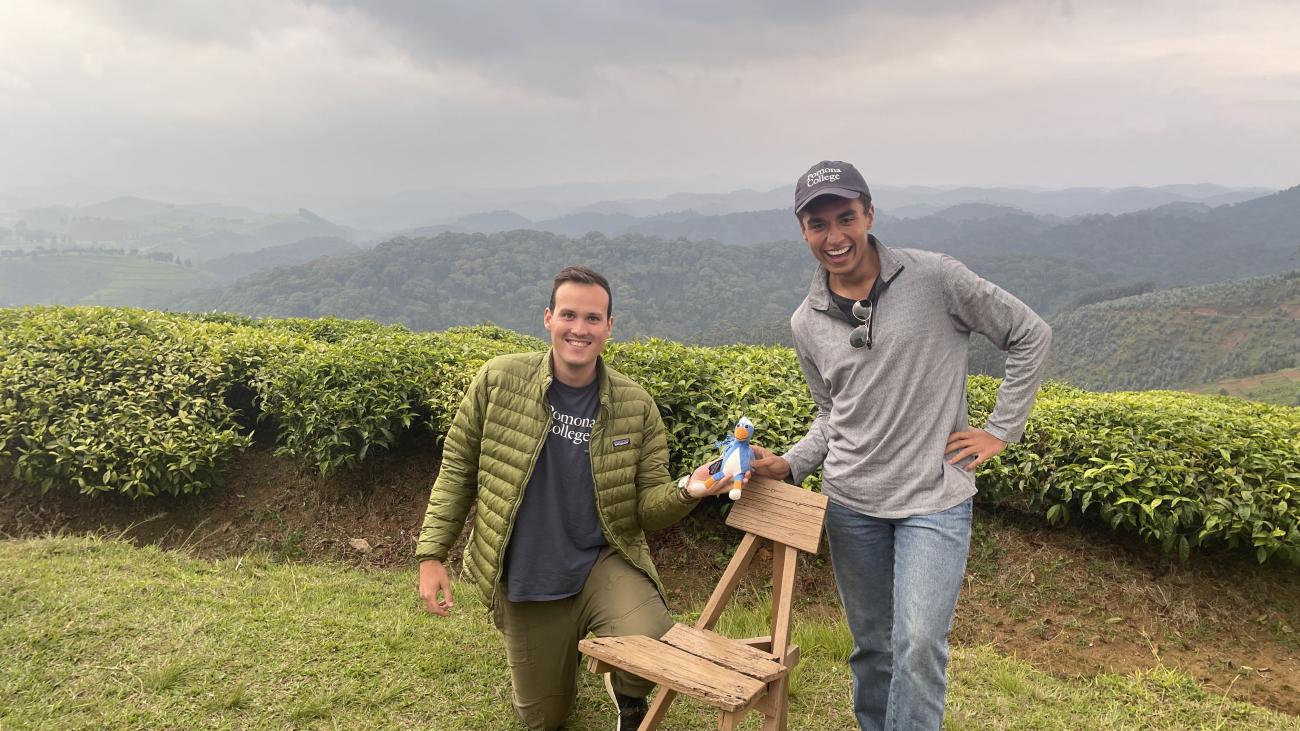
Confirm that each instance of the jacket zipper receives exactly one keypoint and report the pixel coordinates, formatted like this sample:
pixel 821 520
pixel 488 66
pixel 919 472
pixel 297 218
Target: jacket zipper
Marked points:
pixel 599 428
pixel 519 499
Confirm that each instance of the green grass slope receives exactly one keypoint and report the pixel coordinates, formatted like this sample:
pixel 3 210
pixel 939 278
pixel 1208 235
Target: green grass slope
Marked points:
pixel 100 634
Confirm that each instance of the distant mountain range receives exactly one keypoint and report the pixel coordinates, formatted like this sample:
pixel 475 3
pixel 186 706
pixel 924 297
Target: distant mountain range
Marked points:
pixel 683 290
pixel 234 266
pixel 708 277
pixel 1176 243
pixel 194 232
pixel 614 217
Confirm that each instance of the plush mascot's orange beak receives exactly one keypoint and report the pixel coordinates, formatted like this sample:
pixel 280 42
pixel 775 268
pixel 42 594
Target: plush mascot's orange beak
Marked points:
pixel 742 433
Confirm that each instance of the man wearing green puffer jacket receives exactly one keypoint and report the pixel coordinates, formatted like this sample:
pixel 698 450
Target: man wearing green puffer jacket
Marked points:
pixel 567 463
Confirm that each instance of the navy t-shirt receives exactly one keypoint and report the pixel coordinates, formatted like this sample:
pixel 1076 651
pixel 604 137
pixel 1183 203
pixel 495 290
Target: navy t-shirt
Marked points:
pixel 557 533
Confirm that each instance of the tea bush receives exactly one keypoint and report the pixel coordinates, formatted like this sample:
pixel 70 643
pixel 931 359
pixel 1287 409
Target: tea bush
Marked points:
pixel 143 403
pixel 350 392
pixel 122 400
pixel 1177 469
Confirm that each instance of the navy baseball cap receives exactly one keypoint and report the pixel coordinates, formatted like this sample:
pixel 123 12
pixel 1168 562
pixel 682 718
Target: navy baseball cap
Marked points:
pixel 829 177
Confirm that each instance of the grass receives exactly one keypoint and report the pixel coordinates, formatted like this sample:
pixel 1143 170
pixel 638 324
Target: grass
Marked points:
pixel 101 634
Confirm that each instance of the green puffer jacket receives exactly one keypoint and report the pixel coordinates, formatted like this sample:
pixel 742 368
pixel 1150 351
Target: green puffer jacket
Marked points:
pixel 495 440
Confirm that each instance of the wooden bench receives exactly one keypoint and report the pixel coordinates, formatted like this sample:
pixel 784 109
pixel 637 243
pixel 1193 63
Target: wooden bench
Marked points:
pixel 733 675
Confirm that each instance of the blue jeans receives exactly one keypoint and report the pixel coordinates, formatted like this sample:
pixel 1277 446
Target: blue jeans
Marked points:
pixel 898 581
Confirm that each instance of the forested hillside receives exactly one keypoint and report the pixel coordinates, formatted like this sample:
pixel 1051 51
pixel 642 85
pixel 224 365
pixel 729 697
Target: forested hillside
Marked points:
pixel 1181 337
pixel 683 290
pixel 1172 245
pixel 663 288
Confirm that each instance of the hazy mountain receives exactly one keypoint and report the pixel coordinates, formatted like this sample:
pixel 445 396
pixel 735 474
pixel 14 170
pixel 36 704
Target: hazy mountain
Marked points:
pixel 192 232
pixel 708 204
pixel 547 208
pixel 751 227
pixel 1176 243
pixel 916 201
pixel 493 221
pixel 234 266
pixel 579 224
pixel 441 206
pixel 1255 237
pixel 684 290
pixel 125 208
pixel 968 212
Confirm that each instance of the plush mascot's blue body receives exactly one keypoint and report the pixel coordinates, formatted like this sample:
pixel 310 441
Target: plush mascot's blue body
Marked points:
pixel 736 458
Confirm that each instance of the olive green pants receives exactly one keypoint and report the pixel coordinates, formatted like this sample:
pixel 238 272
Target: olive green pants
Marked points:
pixel 542 637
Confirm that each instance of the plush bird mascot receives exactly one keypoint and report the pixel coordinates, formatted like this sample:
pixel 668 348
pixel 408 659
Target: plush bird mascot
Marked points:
pixel 736 457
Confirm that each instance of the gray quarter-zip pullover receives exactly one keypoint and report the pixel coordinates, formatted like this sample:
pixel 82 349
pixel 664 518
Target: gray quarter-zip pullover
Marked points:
pixel 884 414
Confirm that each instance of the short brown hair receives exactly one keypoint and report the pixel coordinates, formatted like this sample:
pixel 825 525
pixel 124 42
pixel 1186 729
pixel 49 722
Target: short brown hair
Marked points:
pixel 582 275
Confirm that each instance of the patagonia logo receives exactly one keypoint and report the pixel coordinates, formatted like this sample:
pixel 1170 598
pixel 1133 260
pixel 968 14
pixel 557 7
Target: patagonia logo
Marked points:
pixel 622 442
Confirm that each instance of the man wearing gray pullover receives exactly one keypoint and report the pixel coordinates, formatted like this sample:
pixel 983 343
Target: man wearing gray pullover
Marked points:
pixel 882 339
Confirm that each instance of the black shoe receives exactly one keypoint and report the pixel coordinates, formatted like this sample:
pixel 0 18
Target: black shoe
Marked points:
pixel 631 711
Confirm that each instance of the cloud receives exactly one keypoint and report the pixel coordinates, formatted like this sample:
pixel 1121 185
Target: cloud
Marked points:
pixel 371 96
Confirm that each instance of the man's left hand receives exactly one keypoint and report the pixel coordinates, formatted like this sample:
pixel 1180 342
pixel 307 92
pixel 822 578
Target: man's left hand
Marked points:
pixel 975 443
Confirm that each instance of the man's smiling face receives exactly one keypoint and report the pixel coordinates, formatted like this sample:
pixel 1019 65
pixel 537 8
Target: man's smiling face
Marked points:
pixel 579 326
pixel 836 231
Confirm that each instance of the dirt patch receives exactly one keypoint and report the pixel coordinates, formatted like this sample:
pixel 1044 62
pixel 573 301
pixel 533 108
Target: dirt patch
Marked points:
pixel 1248 383
pixel 266 505
pixel 1077 600
pixel 1073 601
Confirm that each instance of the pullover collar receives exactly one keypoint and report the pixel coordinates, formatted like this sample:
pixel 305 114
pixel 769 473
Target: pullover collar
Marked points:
pixel 819 292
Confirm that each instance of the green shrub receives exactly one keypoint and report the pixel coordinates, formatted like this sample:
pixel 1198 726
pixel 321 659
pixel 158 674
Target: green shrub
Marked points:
pixel 144 403
pixel 356 390
pixel 702 391
pixel 1177 469
pixel 113 399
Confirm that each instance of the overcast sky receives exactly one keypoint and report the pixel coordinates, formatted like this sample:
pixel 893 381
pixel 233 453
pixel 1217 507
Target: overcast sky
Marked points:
pixel 375 97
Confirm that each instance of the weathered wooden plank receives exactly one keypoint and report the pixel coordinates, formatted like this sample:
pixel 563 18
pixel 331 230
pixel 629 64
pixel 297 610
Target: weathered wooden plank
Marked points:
pixel 781 512
pixel 676 669
pixel 725 652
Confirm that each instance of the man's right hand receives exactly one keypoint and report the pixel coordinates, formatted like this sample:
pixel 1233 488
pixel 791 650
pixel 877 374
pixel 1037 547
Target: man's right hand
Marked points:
pixel 766 464
pixel 434 581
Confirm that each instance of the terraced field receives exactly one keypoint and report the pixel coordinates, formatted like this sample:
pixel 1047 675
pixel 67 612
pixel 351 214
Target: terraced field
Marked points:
pixel 95 279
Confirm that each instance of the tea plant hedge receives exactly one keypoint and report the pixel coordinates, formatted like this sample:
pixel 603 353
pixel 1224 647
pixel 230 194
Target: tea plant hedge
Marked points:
pixel 145 403
pixel 1179 469
pixel 120 400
